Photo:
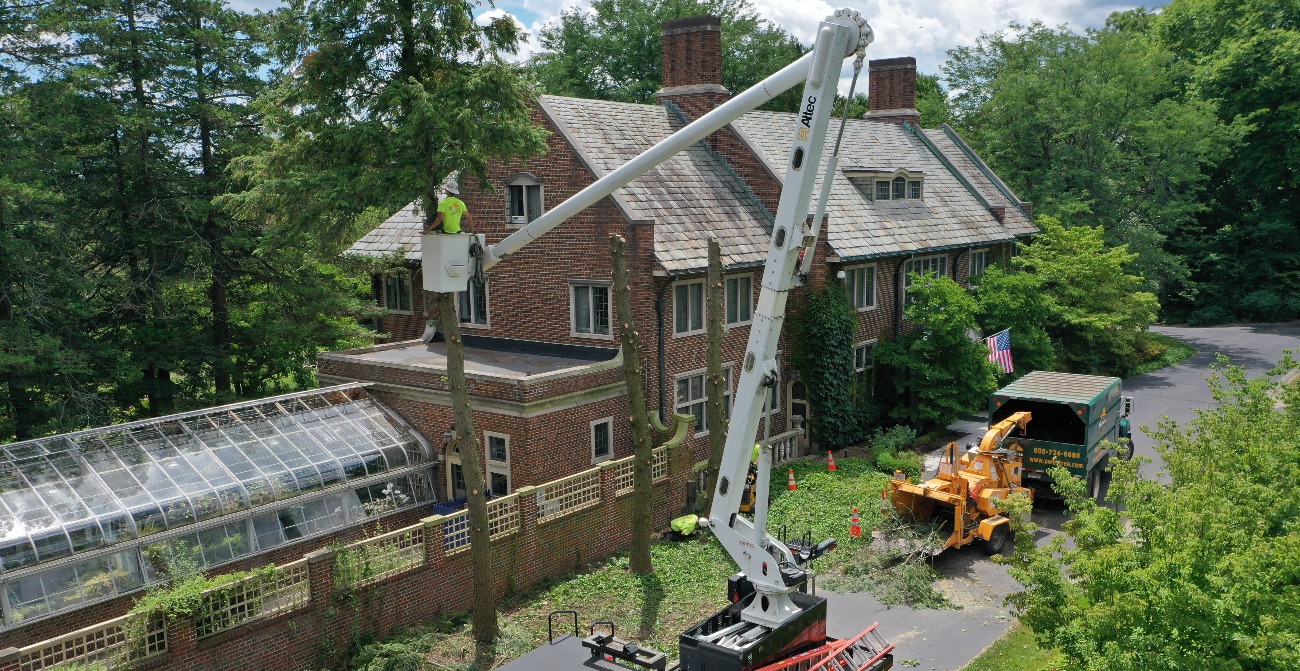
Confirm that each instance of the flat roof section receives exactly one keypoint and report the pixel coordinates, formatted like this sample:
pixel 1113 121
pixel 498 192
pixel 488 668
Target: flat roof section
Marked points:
pixel 490 357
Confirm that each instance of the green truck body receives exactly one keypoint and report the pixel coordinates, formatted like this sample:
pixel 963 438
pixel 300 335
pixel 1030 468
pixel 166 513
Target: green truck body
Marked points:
pixel 1072 416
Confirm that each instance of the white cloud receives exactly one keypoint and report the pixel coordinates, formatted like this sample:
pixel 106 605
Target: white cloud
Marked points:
pixel 925 29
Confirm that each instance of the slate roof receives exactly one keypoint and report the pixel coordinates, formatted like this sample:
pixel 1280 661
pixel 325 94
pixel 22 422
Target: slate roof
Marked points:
pixel 947 216
pixel 692 196
pixel 696 195
pixel 400 232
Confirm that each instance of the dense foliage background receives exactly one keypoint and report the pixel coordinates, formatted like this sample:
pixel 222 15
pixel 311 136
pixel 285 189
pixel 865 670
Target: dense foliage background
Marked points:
pixel 177 178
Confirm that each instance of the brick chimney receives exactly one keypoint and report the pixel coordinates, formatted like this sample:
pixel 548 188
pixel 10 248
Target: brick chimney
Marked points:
pixel 891 87
pixel 693 65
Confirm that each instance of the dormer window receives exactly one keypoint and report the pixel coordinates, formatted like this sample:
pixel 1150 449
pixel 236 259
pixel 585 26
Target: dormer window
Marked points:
pixel 523 199
pixel 881 184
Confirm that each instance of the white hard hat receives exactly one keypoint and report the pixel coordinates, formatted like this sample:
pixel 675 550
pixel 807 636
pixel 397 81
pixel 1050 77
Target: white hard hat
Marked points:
pixel 450 186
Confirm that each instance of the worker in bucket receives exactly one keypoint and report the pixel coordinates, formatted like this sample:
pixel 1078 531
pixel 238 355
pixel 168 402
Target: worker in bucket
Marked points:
pixel 451 210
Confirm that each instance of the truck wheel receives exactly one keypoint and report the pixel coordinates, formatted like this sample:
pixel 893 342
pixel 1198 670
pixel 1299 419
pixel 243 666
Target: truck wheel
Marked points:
pixel 1098 478
pixel 1126 449
pixel 998 540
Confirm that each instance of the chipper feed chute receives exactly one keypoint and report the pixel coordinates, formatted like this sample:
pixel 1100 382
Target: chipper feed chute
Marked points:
pixel 960 502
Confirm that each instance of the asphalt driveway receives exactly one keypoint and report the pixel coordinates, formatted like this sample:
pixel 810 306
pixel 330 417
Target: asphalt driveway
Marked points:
pixel 947 640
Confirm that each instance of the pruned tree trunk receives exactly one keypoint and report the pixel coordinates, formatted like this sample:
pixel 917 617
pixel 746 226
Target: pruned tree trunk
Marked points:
pixel 465 440
pixel 717 417
pixel 633 374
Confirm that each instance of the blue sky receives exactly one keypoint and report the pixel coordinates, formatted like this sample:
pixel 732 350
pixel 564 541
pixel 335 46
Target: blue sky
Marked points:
pixel 925 29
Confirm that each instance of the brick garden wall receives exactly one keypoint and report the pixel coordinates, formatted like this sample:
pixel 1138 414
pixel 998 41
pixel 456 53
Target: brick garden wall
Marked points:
pixel 319 632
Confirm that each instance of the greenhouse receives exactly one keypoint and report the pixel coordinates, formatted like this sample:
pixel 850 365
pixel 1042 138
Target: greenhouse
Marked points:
pixel 88 516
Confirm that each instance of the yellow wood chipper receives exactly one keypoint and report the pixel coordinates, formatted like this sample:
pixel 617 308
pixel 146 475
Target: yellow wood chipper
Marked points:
pixel 961 498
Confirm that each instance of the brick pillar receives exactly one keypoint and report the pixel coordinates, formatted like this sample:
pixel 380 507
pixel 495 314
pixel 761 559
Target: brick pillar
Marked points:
pixel 891 89
pixel 320 576
pixel 611 524
pixel 692 65
pixel 9 659
pixel 527 541
pixel 434 550
pixel 180 640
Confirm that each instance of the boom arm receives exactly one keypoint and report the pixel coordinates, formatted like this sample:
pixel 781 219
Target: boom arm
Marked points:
pixel 759 555
pixel 447 267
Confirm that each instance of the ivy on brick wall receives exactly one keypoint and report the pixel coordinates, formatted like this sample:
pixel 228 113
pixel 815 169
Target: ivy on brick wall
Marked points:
pixel 822 334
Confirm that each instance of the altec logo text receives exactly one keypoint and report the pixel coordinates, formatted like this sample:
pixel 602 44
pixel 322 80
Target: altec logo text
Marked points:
pixel 808 112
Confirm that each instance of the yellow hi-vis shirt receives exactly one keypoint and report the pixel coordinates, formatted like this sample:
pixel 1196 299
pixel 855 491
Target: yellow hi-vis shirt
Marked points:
pixel 451 208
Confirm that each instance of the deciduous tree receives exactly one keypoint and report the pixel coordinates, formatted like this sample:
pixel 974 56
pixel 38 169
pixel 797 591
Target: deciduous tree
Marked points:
pixel 943 373
pixel 613 51
pixel 1195 570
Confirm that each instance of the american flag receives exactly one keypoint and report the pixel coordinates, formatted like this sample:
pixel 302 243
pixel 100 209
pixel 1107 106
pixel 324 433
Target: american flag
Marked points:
pixel 1000 350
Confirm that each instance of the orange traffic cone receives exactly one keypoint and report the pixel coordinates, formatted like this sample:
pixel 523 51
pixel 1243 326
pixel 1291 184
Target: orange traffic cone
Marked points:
pixel 830 460
pixel 790 483
pixel 855 526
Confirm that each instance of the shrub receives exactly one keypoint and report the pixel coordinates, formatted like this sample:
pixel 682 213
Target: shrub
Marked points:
pixel 890 441
pixel 908 462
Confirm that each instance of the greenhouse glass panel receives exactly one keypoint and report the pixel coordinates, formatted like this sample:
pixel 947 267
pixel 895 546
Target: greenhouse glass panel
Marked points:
pixel 86 537
pixel 16 552
pixel 26 599
pixel 51 544
pixel 143 486
pixel 268 531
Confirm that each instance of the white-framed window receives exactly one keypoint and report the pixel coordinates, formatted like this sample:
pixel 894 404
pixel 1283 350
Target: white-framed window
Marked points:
pixel 397 292
pixel 496 447
pixel 602 439
pixel 860 282
pixel 925 265
pixel 979 262
pixel 692 393
pixel 862 355
pixel 688 307
pixel 472 304
pixel 523 199
pixel 906 186
pixel 589 309
pixel 739 299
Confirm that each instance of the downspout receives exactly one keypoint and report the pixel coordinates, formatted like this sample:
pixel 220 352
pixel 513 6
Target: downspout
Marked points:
pixel 663 375
pixel 898 299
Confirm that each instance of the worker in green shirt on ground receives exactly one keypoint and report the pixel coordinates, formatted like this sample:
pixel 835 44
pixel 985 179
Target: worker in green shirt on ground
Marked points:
pixel 451 210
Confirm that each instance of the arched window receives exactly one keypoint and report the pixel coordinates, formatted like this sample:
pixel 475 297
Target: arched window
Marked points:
pixel 900 187
pixel 523 198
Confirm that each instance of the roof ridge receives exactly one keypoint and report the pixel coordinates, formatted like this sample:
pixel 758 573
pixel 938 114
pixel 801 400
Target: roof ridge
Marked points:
pixel 721 160
pixel 984 168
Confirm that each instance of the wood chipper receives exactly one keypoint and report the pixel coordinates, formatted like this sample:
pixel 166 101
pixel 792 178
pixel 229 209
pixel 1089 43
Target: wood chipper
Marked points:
pixel 962 497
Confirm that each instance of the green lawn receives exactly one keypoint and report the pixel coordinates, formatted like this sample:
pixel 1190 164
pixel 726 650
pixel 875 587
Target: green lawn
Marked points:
pixel 1017 651
pixel 1176 351
pixel 689 583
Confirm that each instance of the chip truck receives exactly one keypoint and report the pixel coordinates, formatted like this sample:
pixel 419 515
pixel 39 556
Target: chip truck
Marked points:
pixel 1074 417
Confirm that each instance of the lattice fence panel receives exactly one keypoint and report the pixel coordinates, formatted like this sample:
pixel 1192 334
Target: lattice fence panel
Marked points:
pixel 503 520
pixel 623 479
pixel 253 598
pixel 375 559
pixel 567 495
pixel 109 643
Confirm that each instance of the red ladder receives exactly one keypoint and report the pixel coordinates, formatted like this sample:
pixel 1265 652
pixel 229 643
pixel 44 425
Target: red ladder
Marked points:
pixel 867 651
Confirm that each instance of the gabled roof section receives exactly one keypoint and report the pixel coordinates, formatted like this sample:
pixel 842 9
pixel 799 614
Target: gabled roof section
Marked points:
pixel 982 178
pixel 690 197
pixel 399 233
pixel 949 215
